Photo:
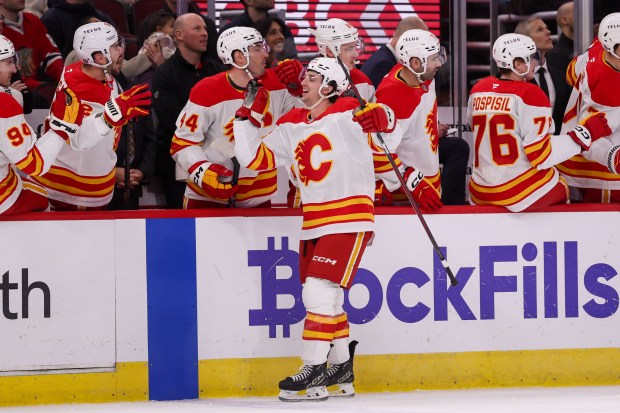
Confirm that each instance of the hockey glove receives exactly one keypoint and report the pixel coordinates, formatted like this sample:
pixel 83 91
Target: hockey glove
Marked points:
pixel 375 117
pixel 423 192
pixel 128 105
pixel 289 72
pixel 589 130
pixel 214 179
pixel 255 104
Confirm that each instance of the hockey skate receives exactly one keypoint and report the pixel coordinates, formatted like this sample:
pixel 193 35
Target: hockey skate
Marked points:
pixel 308 384
pixel 342 375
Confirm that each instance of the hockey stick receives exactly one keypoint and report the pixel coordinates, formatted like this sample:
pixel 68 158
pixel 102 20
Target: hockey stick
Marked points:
pixel 403 184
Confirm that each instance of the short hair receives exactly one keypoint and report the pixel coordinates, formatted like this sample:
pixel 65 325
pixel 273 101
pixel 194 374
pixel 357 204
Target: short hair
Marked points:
pixel 524 26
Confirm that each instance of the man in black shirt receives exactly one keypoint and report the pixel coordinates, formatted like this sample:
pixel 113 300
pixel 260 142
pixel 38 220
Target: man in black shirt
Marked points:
pixel 172 82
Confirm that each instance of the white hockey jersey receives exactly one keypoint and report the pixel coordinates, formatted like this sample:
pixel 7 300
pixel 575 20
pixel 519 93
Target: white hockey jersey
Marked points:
pixel 514 149
pixel 594 91
pixel 82 177
pixel 416 111
pixel 332 159
pixel 208 116
pixel 363 85
pixel 20 147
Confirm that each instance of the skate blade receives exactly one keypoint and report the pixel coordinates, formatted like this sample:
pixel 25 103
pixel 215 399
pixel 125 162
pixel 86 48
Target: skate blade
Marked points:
pixel 345 390
pixel 313 394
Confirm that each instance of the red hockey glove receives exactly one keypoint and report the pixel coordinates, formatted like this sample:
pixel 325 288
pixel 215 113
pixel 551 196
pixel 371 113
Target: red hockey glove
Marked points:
pixel 423 192
pixel 375 117
pixel 255 104
pixel 214 179
pixel 128 105
pixel 289 73
pixel 589 130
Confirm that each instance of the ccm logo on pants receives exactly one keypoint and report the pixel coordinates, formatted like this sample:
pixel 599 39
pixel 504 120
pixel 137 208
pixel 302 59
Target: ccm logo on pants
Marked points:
pixel 324 259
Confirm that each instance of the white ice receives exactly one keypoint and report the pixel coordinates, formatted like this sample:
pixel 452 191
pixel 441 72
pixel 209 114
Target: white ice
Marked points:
pixel 600 399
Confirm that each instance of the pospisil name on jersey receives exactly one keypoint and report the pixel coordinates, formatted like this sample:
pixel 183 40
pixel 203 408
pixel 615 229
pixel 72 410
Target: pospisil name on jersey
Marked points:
pixel 601 300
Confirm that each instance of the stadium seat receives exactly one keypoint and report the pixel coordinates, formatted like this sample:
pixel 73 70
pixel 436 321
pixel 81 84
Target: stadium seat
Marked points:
pixel 142 8
pixel 116 10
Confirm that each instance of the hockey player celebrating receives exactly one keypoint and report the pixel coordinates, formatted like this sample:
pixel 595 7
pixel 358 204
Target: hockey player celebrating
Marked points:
pixel 20 147
pixel 409 89
pixel 204 126
pixel 330 152
pixel 596 172
pixel 515 151
pixel 82 178
pixel 332 35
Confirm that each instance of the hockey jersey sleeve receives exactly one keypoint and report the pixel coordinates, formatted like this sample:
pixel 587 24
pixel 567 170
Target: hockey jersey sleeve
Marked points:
pixel 259 154
pixel 542 149
pixel 187 143
pixel 68 117
pixel 19 143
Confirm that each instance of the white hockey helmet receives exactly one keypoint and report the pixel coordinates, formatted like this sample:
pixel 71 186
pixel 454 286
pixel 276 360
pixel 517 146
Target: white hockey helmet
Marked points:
pixel 237 38
pixel 421 44
pixel 609 32
pixel 91 38
pixel 330 70
pixel 337 32
pixel 6 48
pixel 510 46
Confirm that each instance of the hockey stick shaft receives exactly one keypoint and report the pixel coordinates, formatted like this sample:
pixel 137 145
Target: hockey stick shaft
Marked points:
pixel 401 179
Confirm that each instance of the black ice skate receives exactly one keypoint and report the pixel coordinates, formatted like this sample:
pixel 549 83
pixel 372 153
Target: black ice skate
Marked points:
pixel 311 379
pixel 342 375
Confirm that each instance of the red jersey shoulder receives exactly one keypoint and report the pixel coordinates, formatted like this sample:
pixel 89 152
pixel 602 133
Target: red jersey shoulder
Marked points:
pixel 85 87
pixel 531 94
pixel 600 77
pixel 9 107
pixel 358 77
pixel 213 90
pixel 270 81
pixel 295 115
pixel 402 98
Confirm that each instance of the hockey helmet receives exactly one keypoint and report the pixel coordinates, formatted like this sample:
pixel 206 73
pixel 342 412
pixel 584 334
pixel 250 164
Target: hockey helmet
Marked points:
pixel 337 32
pixel 421 44
pixel 91 38
pixel 331 72
pixel 511 46
pixel 609 32
pixel 237 38
pixel 6 48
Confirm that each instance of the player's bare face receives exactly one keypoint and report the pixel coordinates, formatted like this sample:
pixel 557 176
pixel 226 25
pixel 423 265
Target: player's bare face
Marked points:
pixel 311 84
pixel 258 58
pixel 117 54
pixel 432 67
pixel 349 52
pixel 8 68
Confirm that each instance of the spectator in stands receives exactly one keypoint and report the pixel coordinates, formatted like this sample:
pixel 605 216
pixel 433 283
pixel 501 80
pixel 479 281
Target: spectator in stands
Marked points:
pixel 36 7
pixel 272 29
pixel 256 10
pixel 82 177
pixel 172 82
pixel 38 57
pixel 155 41
pixel 383 60
pixel 559 58
pixel 170 6
pixel 17 88
pixel 136 146
pixel 550 79
pixel 516 155
pixel 65 16
pixel 202 143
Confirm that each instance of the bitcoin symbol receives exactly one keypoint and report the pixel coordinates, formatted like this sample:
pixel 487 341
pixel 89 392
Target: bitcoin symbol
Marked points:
pixel 271 287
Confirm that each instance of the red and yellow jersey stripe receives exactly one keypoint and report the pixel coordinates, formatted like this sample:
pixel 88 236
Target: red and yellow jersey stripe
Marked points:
pixel 68 182
pixel 346 210
pixel 513 191
pixel 8 185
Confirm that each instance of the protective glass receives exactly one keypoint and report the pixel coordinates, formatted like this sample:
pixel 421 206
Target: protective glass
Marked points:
pixel 441 56
pixel 120 43
pixel 256 47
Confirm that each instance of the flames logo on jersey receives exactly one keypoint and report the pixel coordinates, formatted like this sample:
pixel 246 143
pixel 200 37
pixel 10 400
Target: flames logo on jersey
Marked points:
pixel 431 128
pixel 228 130
pixel 303 156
